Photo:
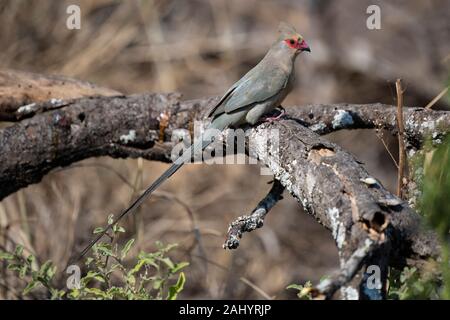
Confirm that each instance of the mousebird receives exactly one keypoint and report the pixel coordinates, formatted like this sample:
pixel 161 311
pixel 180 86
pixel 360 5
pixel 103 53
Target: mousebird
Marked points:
pixel 251 98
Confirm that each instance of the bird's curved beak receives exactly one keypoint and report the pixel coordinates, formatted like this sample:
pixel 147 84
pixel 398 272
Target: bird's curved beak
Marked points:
pixel 304 46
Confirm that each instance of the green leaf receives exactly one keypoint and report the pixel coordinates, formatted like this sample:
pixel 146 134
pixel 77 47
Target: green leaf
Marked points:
pixel 116 266
pixel 110 219
pixel 157 283
pixel 179 266
pixel 117 292
pixel 177 287
pixel 164 249
pixel 127 248
pixel 105 249
pixel 167 262
pixel 88 261
pixel 303 290
pixel 97 292
pixel 31 259
pixel 33 284
pixel 47 270
pixel 92 275
pixel 298 287
pixel 117 229
pixel 23 271
pixel 169 247
pixel 136 268
pixel 74 294
pixel 98 230
pixel 19 250
pixel 144 260
pixel 6 255
pixel 14 267
pixel 131 280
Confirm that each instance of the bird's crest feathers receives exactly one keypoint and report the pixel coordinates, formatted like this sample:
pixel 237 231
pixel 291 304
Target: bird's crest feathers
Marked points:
pixel 286 31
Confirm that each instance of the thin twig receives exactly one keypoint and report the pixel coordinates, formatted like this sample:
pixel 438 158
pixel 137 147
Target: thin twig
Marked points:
pixel 401 140
pixel 380 137
pixel 256 288
pixel 437 98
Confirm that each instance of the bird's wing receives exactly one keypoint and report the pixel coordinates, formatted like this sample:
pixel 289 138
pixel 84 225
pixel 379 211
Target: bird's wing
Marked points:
pixel 214 110
pixel 256 86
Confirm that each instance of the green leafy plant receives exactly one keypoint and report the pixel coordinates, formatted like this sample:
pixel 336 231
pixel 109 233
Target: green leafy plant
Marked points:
pixel 410 283
pixel 151 276
pixel 304 291
pixel 27 268
pixel 432 165
pixel 435 204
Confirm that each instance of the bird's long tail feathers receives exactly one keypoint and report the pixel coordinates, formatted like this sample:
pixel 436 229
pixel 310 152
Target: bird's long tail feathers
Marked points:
pixel 203 143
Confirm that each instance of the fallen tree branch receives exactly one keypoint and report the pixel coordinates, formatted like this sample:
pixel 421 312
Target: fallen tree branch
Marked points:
pixel 329 182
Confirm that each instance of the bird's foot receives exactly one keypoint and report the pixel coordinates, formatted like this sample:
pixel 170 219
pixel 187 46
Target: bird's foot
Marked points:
pixel 274 118
pixel 281 108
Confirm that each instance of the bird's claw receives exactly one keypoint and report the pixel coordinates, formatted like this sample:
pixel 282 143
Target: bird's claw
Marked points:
pixel 274 118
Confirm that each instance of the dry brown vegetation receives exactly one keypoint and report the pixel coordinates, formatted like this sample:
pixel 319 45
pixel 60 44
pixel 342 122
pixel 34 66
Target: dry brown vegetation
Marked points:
pixel 199 48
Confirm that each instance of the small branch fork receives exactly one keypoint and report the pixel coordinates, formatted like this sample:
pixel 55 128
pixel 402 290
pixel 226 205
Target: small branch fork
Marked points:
pixel 256 219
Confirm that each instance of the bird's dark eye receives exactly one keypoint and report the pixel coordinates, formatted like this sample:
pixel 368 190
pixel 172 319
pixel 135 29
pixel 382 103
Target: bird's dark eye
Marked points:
pixel 292 41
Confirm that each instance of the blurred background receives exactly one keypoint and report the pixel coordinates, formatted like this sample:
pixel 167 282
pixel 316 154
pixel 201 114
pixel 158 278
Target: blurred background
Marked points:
pixel 199 48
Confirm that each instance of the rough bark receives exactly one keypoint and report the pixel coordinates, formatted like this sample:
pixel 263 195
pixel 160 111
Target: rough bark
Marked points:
pixel 89 127
pixel 420 123
pixel 23 94
pixel 335 188
pixel 256 219
pixel 329 182
pixel 24 89
pixel 99 126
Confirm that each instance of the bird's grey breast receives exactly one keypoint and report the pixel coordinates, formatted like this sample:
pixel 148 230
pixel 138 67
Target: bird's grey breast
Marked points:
pixel 262 108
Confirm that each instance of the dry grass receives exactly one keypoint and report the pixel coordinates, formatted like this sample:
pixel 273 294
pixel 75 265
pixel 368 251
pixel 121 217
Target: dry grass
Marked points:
pixel 198 48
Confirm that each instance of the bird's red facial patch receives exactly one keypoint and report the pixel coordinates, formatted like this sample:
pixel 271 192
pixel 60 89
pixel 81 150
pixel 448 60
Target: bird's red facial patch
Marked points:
pixel 292 43
pixel 297 44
